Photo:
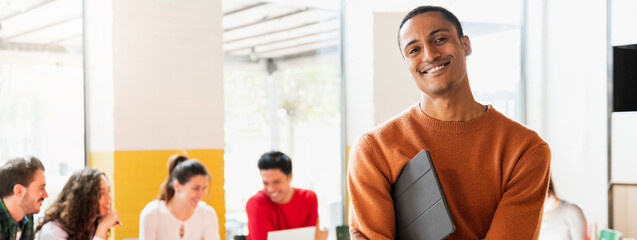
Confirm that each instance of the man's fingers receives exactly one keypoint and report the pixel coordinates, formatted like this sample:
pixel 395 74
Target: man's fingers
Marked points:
pixel 356 235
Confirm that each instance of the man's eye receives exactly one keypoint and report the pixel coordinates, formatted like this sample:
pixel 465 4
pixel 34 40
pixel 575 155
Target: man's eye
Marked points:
pixel 413 50
pixel 440 40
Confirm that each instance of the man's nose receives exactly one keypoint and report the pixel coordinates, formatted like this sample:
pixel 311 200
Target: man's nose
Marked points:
pixel 430 53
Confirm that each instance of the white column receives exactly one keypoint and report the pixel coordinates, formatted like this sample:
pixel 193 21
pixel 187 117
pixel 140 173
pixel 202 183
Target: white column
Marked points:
pixel 154 72
pixel 566 89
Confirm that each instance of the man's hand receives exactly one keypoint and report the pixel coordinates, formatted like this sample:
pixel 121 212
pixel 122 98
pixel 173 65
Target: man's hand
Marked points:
pixel 356 235
pixel 321 234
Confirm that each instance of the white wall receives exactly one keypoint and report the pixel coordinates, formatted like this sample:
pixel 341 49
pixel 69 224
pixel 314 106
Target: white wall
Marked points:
pixel 169 90
pixel 394 89
pixel 566 90
pixel 623 21
pixel 378 85
pixel 359 72
pixel 98 70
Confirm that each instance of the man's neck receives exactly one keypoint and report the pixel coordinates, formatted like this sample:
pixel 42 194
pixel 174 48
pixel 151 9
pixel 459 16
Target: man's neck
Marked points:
pixel 288 198
pixel 460 107
pixel 13 206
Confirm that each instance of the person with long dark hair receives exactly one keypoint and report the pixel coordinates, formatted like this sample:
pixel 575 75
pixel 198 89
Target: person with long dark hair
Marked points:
pixel 179 212
pixel 82 210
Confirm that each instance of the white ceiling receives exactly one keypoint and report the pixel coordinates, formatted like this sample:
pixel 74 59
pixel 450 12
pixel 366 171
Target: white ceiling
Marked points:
pixel 277 29
pixel 41 25
pixel 253 29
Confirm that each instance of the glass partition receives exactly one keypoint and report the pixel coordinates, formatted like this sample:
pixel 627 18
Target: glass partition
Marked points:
pixel 281 84
pixel 41 86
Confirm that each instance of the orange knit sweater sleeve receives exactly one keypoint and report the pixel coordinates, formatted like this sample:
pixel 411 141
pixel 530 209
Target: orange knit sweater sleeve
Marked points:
pixel 368 180
pixel 518 215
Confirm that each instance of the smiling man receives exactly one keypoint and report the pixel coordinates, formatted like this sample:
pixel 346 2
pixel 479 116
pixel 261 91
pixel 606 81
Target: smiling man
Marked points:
pixel 279 206
pixel 22 192
pixel 493 170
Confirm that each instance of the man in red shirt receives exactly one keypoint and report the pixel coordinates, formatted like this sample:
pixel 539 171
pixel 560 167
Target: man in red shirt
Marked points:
pixel 279 206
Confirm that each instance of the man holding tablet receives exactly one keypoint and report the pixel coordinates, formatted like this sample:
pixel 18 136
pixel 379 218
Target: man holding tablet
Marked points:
pixel 493 170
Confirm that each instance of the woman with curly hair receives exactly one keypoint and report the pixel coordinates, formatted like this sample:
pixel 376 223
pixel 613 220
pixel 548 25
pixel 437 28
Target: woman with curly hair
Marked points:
pixel 82 211
pixel 179 212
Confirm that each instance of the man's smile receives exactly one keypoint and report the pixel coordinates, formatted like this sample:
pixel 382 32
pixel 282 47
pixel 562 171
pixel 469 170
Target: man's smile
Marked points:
pixel 435 67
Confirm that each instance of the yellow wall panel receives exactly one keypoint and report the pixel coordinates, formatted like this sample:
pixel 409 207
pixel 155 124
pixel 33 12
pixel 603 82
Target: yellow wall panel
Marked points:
pixel 102 161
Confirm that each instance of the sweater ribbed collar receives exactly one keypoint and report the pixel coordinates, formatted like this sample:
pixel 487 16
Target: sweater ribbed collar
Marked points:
pixel 454 127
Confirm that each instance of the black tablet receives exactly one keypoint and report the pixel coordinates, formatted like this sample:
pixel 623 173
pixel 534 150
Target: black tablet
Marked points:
pixel 421 209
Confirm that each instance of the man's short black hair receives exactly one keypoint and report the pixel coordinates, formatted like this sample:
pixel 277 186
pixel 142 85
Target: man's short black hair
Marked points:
pixel 276 160
pixel 423 9
pixel 18 171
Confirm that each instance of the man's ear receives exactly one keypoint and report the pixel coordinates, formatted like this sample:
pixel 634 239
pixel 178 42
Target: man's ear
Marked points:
pixel 466 45
pixel 18 190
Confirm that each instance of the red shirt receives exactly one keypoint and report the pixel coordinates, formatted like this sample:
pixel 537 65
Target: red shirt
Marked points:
pixel 265 215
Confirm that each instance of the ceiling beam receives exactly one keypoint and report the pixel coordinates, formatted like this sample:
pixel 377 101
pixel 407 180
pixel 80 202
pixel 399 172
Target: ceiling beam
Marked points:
pixel 31 8
pixel 294 46
pixel 281 30
pixel 280 40
pixel 58 41
pixel 43 27
pixel 266 19
pixel 310 53
pixel 31 47
pixel 244 8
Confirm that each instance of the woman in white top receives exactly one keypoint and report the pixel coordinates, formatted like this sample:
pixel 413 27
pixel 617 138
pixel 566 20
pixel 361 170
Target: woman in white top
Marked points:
pixel 82 211
pixel 179 212
pixel 561 220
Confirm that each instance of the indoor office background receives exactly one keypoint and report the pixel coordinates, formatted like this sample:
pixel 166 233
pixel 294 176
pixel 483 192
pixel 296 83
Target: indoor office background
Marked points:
pixel 121 85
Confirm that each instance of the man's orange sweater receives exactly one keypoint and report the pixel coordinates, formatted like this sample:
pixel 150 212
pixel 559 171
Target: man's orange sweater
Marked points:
pixel 493 171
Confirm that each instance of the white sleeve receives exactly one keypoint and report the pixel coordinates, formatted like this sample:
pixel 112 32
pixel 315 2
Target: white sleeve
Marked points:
pixel 211 231
pixel 578 223
pixel 51 231
pixel 148 222
pixel 97 238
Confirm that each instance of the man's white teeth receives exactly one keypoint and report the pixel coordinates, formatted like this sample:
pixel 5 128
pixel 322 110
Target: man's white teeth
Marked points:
pixel 436 68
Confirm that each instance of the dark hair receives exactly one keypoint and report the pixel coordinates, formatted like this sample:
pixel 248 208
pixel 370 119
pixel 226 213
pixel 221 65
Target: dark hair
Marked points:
pixel 19 170
pixel 275 159
pixel 78 206
pixel 180 168
pixel 423 9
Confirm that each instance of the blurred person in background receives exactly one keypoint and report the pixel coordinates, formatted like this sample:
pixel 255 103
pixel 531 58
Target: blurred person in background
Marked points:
pixel 22 191
pixel 179 212
pixel 561 220
pixel 82 210
pixel 279 206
